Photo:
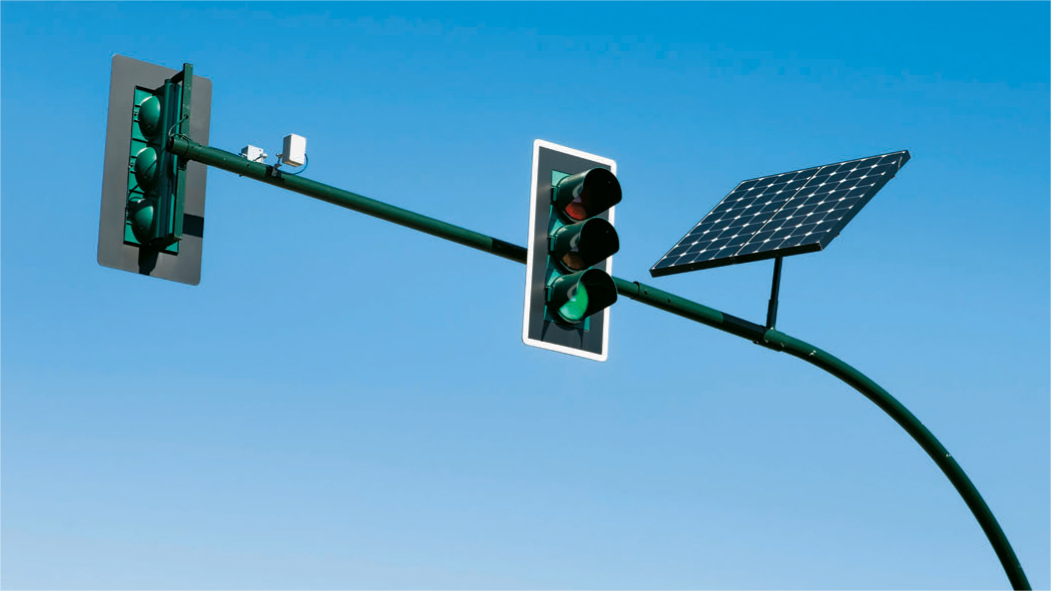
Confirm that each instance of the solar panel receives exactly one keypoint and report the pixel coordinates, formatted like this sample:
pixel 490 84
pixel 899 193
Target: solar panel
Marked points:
pixel 781 215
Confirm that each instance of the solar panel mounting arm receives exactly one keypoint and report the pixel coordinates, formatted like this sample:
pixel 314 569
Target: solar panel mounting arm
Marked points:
pixel 771 310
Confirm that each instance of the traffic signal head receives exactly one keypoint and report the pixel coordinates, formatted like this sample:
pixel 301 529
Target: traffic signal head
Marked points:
pixel 152 216
pixel 571 239
pixel 155 197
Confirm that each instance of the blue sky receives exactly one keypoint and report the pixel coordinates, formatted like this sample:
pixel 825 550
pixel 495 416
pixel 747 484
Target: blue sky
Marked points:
pixel 344 403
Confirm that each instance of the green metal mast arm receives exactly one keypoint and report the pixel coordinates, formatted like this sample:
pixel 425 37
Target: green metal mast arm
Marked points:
pixel 207 155
pixel 651 296
pixel 912 425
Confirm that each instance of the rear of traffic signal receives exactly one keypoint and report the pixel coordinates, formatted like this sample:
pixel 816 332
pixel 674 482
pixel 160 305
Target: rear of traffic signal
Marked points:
pixel 152 216
pixel 156 183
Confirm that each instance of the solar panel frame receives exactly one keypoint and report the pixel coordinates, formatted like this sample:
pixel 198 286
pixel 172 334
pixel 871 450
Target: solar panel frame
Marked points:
pixel 740 236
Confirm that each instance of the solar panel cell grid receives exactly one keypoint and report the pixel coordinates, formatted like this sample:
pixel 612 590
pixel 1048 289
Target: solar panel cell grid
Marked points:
pixel 781 215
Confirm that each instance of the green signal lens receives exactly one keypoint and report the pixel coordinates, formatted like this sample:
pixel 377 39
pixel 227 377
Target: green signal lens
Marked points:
pixel 576 307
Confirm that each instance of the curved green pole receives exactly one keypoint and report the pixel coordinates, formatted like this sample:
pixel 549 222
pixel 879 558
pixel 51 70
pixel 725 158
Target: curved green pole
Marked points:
pixel 778 341
pixel 650 296
pixel 912 425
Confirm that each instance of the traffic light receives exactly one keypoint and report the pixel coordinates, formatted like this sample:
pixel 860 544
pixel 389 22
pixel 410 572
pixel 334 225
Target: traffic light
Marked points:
pixel 155 195
pixel 571 238
pixel 152 216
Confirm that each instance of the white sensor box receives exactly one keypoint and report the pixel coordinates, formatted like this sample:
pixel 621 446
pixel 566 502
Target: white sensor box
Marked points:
pixel 294 152
pixel 253 153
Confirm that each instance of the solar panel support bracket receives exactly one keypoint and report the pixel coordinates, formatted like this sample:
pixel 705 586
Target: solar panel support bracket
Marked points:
pixel 771 309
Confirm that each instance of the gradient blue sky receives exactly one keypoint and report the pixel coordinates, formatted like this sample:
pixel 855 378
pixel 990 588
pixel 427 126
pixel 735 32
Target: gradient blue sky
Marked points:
pixel 344 403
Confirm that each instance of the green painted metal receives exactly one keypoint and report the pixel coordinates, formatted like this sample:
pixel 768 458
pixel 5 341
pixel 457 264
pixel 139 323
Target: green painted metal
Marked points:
pixel 157 179
pixel 182 123
pixel 681 306
pixel 151 187
pixel 140 216
pixel 781 342
pixel 651 296
pixel 150 116
pixel 140 213
pixel 147 167
pixel 261 172
pixel 778 341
